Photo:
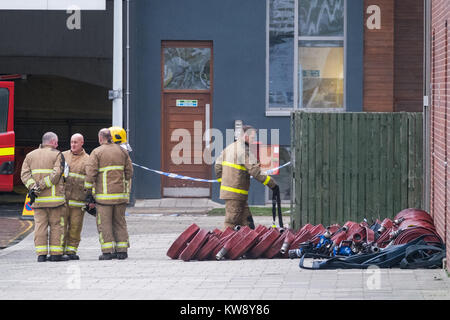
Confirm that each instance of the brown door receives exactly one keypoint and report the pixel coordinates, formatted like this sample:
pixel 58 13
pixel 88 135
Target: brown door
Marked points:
pixel 186 83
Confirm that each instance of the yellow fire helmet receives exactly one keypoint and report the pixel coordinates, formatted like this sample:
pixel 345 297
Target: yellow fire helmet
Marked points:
pixel 119 136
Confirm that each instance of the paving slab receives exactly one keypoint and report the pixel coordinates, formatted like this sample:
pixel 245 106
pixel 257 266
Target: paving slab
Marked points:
pixel 149 274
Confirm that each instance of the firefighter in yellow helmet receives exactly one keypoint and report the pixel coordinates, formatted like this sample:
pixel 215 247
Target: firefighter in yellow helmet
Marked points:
pixel 109 171
pixel 119 136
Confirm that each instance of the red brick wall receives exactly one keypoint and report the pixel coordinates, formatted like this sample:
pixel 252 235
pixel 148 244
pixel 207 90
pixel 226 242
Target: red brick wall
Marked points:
pixel 408 56
pixel 440 130
pixel 393 57
pixel 379 60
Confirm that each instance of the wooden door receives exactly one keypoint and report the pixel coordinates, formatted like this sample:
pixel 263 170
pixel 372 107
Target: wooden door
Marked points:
pixel 186 82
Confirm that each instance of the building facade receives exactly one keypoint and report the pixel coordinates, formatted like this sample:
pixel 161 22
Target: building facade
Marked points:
pixel 256 61
pixel 439 123
pixel 210 64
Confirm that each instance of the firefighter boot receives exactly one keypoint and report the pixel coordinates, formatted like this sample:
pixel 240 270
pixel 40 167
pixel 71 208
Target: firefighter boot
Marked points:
pixel 57 257
pixel 106 256
pixel 42 258
pixel 122 255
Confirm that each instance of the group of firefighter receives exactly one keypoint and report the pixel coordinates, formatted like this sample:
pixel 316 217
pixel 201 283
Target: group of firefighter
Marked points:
pixel 64 185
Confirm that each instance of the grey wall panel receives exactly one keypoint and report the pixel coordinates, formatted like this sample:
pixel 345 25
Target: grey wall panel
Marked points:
pixel 44 33
pixel 39 42
pixel 238 31
pixel 355 56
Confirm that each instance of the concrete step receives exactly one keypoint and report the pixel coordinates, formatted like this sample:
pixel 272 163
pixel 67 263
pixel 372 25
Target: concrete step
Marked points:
pixel 174 205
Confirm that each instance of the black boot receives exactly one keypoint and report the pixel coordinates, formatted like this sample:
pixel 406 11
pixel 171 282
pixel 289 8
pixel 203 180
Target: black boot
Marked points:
pixel 105 256
pixel 73 256
pixel 58 257
pixel 122 255
pixel 42 258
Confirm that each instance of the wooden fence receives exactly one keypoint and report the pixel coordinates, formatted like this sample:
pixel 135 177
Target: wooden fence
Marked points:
pixel 351 166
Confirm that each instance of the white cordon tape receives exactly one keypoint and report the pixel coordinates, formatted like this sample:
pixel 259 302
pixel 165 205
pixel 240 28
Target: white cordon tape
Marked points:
pixel 178 176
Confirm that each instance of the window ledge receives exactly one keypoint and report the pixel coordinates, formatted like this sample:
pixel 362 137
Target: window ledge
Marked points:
pixel 279 113
pixel 287 112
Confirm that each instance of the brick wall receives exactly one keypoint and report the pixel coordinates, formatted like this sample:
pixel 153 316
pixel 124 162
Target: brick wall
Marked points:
pixel 393 57
pixel 440 133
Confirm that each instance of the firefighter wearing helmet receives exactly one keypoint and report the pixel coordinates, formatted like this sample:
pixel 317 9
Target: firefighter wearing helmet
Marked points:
pixel 109 170
pixel 119 136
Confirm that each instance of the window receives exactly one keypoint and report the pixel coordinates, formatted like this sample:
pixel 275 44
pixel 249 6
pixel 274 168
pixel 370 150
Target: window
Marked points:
pixel 187 68
pixel 281 53
pixel 4 105
pixel 306 49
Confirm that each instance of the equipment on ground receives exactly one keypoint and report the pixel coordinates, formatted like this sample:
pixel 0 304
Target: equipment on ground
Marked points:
pixel 410 240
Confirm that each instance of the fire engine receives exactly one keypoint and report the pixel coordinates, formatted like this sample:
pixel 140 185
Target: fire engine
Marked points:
pixel 7 136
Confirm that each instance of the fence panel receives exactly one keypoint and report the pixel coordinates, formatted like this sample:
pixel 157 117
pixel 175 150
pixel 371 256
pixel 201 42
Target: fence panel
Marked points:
pixel 351 166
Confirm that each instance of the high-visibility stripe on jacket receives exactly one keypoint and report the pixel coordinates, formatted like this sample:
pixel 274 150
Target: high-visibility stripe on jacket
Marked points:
pixel 75 182
pixel 109 170
pixel 234 166
pixel 42 169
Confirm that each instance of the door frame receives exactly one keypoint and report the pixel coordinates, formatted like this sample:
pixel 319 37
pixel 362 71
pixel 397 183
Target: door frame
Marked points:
pixel 183 44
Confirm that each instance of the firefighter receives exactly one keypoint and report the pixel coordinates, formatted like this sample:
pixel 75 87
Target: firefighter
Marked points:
pixel 42 174
pixel 119 136
pixel 109 171
pixel 233 168
pixel 76 158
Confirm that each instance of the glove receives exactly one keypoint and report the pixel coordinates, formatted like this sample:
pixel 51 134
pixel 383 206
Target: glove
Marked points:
pixel 64 167
pixel 90 199
pixel 33 194
pixel 91 211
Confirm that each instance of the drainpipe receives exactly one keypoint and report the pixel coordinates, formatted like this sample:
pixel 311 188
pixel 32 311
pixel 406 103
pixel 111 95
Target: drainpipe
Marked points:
pixel 116 94
pixel 127 94
pixel 427 105
pixel 127 97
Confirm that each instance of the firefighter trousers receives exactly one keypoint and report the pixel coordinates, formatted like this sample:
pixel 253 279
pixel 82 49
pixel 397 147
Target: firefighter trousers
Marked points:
pixel 74 225
pixel 49 242
pixel 237 212
pixel 112 228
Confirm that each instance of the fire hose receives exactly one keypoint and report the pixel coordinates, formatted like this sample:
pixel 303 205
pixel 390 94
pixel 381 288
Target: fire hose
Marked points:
pixel 276 206
pixel 360 240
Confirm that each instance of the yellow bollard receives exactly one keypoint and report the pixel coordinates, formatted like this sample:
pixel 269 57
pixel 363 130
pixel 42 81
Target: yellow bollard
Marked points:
pixel 27 212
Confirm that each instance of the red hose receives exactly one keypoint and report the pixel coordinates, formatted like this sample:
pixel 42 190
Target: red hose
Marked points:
pixel 410 234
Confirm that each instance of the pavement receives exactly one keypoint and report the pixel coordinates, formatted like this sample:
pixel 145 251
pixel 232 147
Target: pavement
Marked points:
pixel 148 274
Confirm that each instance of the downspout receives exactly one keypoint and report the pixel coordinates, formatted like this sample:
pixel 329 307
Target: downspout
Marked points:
pixel 427 105
pixel 127 94
pixel 116 94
